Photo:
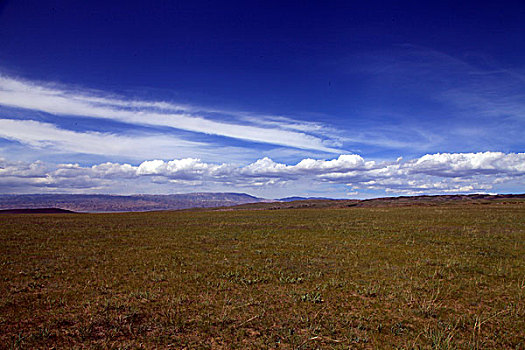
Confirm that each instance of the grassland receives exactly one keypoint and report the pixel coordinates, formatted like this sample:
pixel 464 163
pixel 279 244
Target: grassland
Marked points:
pixel 442 277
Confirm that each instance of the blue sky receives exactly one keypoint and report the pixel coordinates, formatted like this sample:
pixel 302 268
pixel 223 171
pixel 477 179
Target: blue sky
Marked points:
pixel 337 98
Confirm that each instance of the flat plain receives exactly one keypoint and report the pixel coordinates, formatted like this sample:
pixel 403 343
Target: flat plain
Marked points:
pixel 429 277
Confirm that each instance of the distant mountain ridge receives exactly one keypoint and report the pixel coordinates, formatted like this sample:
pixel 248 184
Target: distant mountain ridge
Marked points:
pixel 422 200
pixel 147 202
pixel 295 198
pixel 112 203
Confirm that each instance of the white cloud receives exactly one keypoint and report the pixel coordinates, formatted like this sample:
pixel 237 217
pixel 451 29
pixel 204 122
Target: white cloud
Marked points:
pixel 46 139
pixel 344 163
pixel 22 169
pixel 463 164
pixel 430 174
pixel 180 169
pixel 47 136
pixel 69 102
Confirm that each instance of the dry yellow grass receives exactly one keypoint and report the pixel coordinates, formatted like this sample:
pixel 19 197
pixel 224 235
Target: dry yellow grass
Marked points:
pixel 411 277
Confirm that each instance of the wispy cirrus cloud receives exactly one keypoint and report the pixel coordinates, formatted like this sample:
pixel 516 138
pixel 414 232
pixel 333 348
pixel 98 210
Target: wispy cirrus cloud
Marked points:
pixel 430 174
pixel 65 101
pixel 455 103
pixel 39 140
pixel 48 137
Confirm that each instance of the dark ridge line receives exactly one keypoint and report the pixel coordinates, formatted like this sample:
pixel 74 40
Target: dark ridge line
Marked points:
pixel 37 211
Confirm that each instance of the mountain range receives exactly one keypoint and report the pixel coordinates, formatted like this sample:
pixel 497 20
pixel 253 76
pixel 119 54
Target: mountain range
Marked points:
pixel 117 203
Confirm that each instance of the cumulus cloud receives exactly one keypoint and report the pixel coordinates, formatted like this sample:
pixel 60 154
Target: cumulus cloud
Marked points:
pixel 344 163
pixel 466 164
pixel 430 174
pixel 184 169
pixel 70 102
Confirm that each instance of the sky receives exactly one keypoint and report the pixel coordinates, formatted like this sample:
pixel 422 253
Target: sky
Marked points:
pixel 340 99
